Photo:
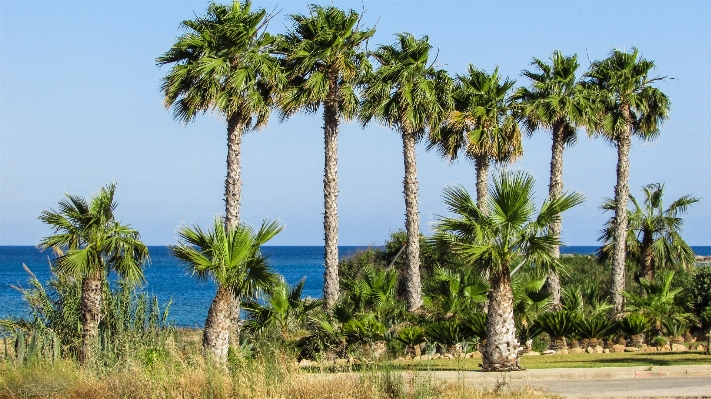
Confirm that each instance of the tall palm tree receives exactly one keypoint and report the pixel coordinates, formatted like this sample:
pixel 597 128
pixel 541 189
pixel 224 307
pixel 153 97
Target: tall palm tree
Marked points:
pixel 411 96
pixel 654 234
pixel 92 244
pixel 557 102
pixel 481 125
pixel 493 239
pixel 629 106
pixel 323 55
pixel 223 63
pixel 231 257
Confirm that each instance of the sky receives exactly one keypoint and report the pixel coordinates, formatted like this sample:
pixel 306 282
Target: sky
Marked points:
pixel 80 106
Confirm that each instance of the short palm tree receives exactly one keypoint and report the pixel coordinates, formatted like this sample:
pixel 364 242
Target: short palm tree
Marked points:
pixel 324 59
pixel 412 96
pixel 554 101
pixel 492 241
pixel 231 257
pixel 92 244
pixel 628 105
pixel 223 63
pixel 654 233
pixel 481 125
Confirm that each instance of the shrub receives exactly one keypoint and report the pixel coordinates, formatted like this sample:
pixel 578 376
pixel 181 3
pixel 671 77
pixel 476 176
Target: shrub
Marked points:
pixel 593 328
pixel 634 324
pixel 557 325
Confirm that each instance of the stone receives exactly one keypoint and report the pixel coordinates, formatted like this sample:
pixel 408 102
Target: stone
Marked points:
pixel 679 348
pixel 650 349
pixel 590 349
pixel 576 351
pixel 598 349
pixel 562 352
pixel 476 354
pixel 548 352
pixel 531 353
pixel 605 350
pixel 449 356
pixel 416 358
pixel 631 349
pixel 305 363
pixel 341 362
pixel 700 347
pixel 618 349
pixel 666 348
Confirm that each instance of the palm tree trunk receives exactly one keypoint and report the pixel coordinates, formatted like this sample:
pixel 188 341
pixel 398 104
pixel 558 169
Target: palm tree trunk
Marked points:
pixel 215 339
pixel 330 194
pixel 233 195
pixel 622 191
pixel 555 190
pixel 90 316
pixel 502 347
pixel 481 165
pixel 647 256
pixel 412 224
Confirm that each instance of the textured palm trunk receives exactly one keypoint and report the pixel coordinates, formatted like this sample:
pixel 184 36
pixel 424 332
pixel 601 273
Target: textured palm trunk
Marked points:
pixel 502 347
pixel 555 190
pixel 330 194
pixel 233 196
pixel 412 224
pixel 215 339
pixel 481 165
pixel 90 316
pixel 622 192
pixel 647 257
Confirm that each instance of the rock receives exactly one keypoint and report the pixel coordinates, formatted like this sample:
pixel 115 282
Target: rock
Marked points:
pixel 679 348
pixel 305 363
pixel 700 347
pixel 605 350
pixel 449 356
pixel 548 352
pixel 631 349
pixel 590 349
pixel 598 349
pixel 436 356
pixel 476 354
pixel 576 351
pixel 341 362
pixel 417 358
pixel 562 352
pixel 643 347
pixel 650 349
pixel 618 349
pixel 531 353
pixel 666 348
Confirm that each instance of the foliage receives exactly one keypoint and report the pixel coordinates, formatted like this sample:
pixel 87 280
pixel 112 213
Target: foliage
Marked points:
pixel 634 324
pixel 364 329
pixel 411 335
pixel 281 309
pixel 658 302
pixel 373 289
pixel 593 327
pixel 557 324
pixel 675 327
pixel 530 296
pixel 451 293
pixel 700 289
pixel 446 332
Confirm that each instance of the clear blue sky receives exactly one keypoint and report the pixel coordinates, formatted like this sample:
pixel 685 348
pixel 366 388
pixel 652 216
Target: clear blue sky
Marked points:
pixel 80 106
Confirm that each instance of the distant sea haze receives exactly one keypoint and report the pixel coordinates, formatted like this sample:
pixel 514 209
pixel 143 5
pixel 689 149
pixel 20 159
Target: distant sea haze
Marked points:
pixel 167 278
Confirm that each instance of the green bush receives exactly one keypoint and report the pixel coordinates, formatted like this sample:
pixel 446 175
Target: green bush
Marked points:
pixel 634 324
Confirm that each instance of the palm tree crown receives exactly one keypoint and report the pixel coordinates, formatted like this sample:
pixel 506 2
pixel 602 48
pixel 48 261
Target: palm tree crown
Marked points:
pixel 481 125
pixel 223 63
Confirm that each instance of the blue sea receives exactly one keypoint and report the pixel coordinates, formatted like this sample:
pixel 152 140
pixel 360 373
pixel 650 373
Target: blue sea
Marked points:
pixel 168 279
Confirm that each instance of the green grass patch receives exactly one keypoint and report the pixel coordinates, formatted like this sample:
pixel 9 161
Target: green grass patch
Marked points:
pixel 574 361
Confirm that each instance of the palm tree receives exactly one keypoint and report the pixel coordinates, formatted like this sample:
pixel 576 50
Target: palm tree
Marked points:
pixel 407 94
pixel 654 233
pixel 223 64
pixel 493 240
pixel 92 243
pixel 232 258
pixel 481 125
pixel 324 61
pixel 555 101
pixel 629 106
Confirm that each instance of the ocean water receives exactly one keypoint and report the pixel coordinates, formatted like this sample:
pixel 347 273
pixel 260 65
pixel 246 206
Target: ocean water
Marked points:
pixel 167 278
